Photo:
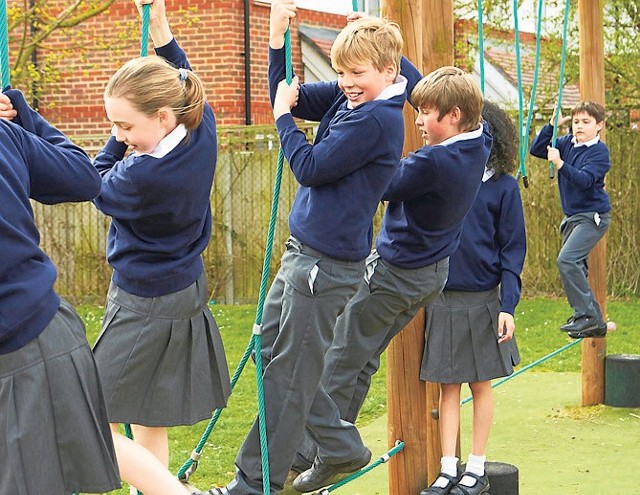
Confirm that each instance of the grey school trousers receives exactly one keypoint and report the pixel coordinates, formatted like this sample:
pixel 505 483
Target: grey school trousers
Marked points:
pixel 300 312
pixel 380 309
pixel 580 233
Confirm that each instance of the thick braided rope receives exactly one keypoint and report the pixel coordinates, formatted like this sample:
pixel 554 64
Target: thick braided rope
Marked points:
pixel 561 83
pixel 381 460
pixel 528 367
pixel 524 137
pixel 4 46
pixel 481 45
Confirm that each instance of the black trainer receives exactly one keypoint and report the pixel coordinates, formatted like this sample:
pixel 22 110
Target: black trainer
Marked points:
pixel 321 475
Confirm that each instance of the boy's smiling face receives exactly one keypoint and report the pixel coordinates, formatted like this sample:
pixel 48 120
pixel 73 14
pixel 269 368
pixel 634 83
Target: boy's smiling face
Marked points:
pixel 364 82
pixel 584 127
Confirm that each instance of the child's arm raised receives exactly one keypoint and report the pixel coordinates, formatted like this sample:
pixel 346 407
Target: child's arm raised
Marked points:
pixel 159 28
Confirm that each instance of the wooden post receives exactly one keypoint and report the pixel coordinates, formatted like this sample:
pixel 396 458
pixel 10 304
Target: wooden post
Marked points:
pixel 590 13
pixel 427 27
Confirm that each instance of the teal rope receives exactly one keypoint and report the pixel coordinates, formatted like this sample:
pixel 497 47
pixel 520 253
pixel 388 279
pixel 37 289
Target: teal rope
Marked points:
pixel 144 35
pixel 516 33
pixel 528 367
pixel 354 4
pixel 524 138
pixel 481 45
pixel 561 84
pixel 4 46
pixel 184 472
pixel 256 340
pixel 381 460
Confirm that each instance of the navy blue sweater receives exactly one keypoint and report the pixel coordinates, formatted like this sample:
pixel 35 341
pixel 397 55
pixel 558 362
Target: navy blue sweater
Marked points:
pixel 493 243
pixel 429 196
pixel 38 162
pixel 343 175
pixel 160 207
pixel 581 178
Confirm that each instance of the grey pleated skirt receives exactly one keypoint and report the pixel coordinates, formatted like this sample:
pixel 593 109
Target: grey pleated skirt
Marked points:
pixel 461 343
pixel 161 359
pixel 55 434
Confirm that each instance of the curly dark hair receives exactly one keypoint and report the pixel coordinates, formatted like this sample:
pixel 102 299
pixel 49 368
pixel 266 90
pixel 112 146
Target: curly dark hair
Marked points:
pixel 504 151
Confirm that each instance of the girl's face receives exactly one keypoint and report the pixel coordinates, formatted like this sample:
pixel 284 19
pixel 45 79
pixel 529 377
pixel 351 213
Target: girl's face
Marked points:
pixel 584 127
pixel 140 131
pixel 364 82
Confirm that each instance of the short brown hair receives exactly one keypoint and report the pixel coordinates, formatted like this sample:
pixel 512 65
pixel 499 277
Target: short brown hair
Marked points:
pixel 368 40
pixel 590 107
pixel 151 83
pixel 449 87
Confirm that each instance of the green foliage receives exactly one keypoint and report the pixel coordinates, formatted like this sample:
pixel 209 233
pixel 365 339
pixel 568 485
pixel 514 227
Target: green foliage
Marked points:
pixel 537 322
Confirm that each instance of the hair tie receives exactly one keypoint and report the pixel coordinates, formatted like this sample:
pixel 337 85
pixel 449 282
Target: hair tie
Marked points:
pixel 183 74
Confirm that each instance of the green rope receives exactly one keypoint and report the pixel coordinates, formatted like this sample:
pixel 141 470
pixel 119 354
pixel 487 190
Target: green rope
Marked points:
pixel 528 367
pixel 255 344
pixel 4 46
pixel 516 34
pixel 144 35
pixel 524 138
pixel 561 84
pixel 481 45
pixel 381 460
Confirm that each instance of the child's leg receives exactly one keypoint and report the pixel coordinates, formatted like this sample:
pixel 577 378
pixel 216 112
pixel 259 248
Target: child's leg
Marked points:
pixel 579 236
pixel 141 469
pixel 449 426
pixel 154 439
pixel 482 419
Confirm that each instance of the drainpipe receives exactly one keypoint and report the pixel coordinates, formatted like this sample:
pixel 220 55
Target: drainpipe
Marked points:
pixel 247 65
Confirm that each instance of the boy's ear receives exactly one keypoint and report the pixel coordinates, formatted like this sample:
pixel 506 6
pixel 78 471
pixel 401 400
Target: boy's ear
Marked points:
pixel 391 72
pixel 455 116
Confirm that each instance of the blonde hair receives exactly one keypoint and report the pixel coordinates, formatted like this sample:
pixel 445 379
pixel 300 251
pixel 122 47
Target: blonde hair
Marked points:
pixel 368 40
pixel 449 87
pixel 151 83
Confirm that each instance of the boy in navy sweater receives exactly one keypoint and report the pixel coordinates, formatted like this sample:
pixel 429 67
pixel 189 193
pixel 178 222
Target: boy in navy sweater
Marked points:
pixel 342 178
pixel 582 161
pixel 429 196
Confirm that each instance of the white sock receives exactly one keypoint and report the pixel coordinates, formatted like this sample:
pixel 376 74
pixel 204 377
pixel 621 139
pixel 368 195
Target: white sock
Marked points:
pixel 449 465
pixel 475 465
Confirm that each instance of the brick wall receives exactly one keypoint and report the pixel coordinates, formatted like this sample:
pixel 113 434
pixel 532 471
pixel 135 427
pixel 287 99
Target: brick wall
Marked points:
pixel 210 31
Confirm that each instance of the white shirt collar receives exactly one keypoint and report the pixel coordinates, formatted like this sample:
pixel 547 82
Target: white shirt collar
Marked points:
pixel 488 173
pixel 168 143
pixel 591 142
pixel 395 89
pixel 463 136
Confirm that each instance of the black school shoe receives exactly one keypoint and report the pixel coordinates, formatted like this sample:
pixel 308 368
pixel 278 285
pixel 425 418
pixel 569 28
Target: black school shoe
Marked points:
pixel 584 324
pixel 599 332
pixel 567 324
pixel 480 487
pixel 321 475
pixel 434 490
pixel 213 491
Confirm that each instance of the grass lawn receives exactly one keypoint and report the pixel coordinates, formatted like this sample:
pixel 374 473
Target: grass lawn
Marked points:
pixel 537 322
